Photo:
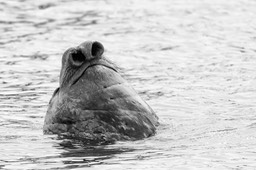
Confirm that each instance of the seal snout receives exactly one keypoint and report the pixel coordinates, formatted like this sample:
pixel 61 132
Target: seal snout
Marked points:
pixel 91 49
pixel 85 52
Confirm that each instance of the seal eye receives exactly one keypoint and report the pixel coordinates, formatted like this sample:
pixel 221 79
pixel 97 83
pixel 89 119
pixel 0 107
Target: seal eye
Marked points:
pixel 77 58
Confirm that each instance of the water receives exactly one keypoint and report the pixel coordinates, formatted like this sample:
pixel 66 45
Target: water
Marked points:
pixel 194 62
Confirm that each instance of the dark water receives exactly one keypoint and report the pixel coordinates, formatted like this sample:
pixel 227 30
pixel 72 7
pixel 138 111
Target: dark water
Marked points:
pixel 194 62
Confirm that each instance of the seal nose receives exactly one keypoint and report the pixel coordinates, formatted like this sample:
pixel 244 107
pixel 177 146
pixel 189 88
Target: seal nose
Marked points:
pixel 91 49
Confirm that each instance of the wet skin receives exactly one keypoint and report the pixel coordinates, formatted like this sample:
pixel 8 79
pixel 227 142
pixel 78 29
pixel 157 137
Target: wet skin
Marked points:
pixel 94 103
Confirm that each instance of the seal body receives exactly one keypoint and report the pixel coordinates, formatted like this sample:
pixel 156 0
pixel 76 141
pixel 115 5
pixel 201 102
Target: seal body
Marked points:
pixel 94 103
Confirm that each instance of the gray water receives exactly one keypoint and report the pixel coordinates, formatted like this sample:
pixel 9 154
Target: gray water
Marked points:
pixel 194 62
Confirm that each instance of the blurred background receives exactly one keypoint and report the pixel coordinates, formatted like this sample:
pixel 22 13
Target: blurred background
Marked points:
pixel 194 62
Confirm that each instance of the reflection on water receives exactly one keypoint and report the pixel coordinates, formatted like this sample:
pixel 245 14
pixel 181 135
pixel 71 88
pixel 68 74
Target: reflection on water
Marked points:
pixel 86 156
pixel 57 153
pixel 194 63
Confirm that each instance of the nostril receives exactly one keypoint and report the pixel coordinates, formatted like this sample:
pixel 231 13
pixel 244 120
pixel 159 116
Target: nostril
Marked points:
pixel 77 57
pixel 97 49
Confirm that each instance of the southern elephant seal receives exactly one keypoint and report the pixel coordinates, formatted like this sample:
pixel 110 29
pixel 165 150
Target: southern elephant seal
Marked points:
pixel 94 103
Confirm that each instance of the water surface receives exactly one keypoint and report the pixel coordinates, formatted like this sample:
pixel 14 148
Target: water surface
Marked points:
pixel 194 62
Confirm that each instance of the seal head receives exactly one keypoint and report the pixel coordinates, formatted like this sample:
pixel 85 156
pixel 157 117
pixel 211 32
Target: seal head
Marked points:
pixel 94 103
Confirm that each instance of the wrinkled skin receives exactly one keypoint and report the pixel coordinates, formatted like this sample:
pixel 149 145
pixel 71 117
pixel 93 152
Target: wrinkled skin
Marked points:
pixel 94 103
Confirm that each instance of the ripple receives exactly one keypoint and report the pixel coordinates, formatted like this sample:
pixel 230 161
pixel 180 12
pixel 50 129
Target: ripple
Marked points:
pixel 194 63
